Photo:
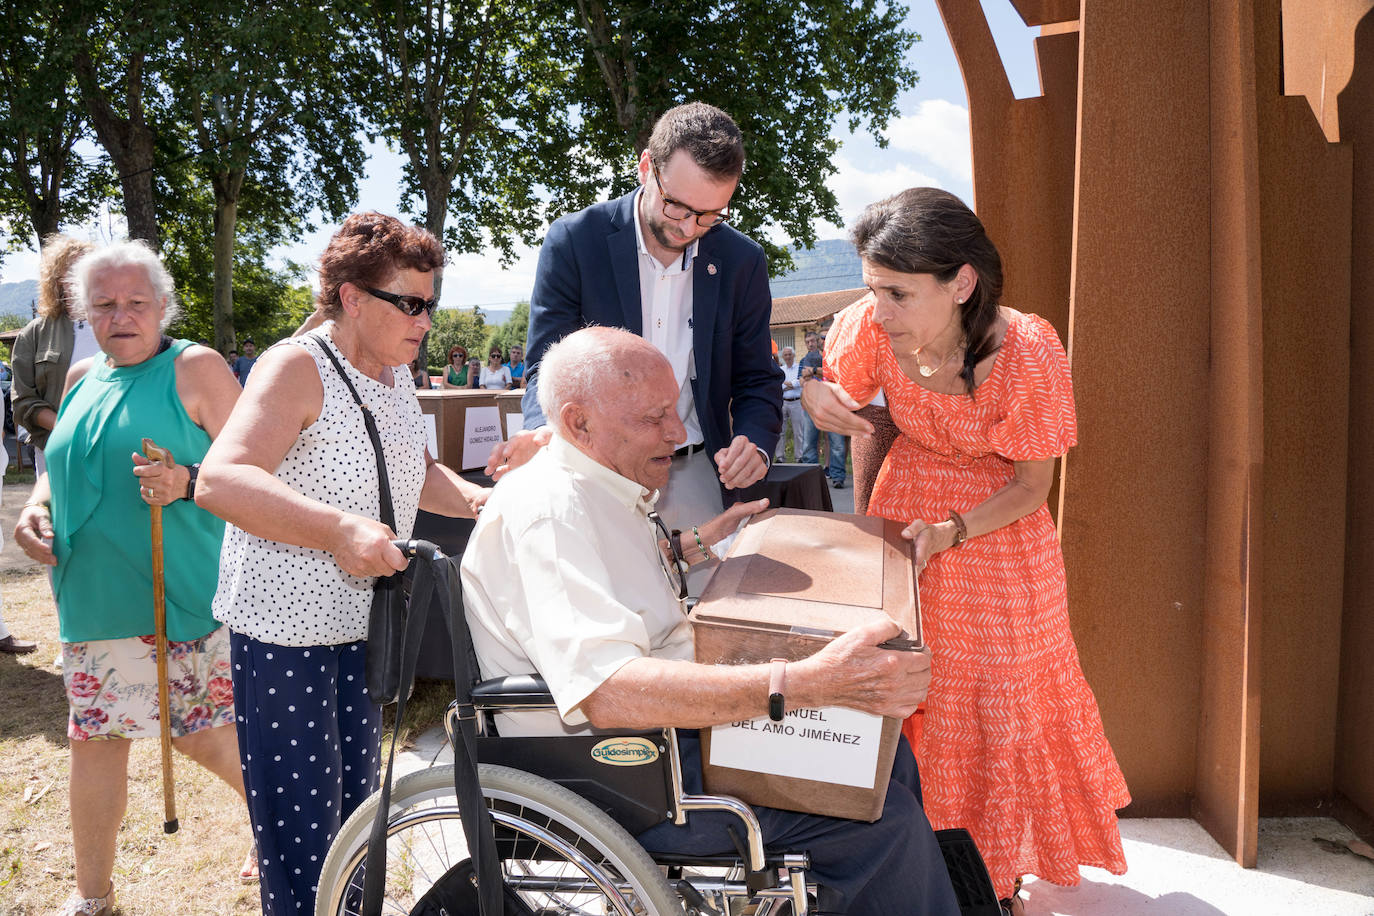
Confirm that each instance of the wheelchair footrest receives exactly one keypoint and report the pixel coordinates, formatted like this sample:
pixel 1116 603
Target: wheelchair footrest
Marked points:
pixel 968 874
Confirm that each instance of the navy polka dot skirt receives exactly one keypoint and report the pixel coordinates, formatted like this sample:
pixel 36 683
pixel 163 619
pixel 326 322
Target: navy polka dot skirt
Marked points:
pixel 308 741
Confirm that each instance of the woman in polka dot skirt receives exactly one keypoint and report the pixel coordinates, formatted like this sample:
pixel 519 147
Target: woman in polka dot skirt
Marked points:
pixel 295 475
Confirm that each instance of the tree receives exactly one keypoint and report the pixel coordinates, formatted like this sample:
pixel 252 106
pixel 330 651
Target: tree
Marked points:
pixel 260 85
pixel 269 303
pixel 457 327
pixel 122 96
pixel 43 181
pixel 786 71
pixel 513 333
pixel 476 96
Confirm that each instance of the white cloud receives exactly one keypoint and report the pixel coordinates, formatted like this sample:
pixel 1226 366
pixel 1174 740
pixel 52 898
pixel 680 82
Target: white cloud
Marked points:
pixel 856 188
pixel 479 279
pixel 938 131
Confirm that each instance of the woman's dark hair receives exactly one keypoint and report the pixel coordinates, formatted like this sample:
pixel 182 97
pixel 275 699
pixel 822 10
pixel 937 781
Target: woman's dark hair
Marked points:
pixel 368 250
pixel 929 231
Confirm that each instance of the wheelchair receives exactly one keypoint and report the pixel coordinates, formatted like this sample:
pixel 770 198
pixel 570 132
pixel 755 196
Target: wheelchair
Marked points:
pixel 563 825
pixel 564 811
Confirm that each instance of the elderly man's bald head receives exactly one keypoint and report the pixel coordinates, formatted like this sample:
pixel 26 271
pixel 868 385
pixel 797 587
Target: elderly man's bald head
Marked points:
pixel 612 395
pixel 591 366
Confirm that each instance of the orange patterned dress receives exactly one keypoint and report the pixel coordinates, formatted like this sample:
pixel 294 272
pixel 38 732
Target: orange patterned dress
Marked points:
pixel 1012 745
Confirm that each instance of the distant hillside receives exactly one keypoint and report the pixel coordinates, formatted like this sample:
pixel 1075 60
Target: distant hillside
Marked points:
pixel 832 265
pixel 18 298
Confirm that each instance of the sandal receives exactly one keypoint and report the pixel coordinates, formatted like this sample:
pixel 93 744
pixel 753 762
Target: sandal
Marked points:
pixel 248 873
pixel 1013 905
pixel 76 905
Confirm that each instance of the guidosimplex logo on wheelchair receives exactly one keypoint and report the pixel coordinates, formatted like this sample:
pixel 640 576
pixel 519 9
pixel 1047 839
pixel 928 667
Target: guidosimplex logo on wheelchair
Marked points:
pixel 625 752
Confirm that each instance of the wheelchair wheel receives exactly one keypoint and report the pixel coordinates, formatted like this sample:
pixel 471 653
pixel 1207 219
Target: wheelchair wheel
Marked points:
pixel 559 853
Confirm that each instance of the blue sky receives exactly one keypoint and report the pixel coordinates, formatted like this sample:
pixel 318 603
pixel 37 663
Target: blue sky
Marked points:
pixel 929 145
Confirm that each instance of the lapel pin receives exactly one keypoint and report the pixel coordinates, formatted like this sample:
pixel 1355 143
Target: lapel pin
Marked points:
pixel 711 269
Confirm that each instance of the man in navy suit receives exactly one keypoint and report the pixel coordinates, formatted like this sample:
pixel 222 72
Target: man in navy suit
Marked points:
pixel 661 262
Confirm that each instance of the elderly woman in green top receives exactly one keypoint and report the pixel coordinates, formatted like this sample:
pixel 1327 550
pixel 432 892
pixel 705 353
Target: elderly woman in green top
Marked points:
pixel 88 517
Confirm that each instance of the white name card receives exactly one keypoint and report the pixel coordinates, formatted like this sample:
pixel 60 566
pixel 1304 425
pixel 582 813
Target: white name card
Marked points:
pixel 830 744
pixel 481 433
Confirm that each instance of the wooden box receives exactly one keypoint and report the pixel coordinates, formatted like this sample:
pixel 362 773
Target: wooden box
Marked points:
pixel 793 580
pixel 465 425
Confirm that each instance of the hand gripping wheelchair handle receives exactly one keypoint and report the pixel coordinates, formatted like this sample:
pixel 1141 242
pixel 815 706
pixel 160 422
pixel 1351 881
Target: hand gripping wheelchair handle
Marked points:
pixel 413 548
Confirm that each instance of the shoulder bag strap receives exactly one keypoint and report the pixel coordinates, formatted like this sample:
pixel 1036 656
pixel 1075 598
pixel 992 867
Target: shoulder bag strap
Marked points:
pixel 388 517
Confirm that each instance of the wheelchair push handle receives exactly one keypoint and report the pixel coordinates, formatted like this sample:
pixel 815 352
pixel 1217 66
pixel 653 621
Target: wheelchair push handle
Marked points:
pixel 413 548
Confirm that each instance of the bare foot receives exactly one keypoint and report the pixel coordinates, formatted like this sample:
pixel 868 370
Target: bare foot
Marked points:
pixel 248 874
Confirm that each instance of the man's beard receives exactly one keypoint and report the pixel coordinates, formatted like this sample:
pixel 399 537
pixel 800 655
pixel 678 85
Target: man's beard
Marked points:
pixel 660 235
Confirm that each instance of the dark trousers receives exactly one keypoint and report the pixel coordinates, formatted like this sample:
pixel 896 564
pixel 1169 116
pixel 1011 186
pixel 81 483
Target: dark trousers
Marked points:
pixel 308 742
pixel 892 865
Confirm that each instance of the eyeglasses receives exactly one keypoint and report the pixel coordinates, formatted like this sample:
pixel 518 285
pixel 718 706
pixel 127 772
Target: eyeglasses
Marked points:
pixel 410 305
pixel 674 569
pixel 676 210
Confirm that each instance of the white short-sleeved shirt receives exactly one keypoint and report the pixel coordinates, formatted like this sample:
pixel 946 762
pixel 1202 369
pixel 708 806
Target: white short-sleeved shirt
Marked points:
pixel 498 379
pixel 297 596
pixel 562 577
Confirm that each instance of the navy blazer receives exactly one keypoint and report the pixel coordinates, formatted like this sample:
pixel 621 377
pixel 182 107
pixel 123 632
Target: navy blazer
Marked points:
pixel 588 274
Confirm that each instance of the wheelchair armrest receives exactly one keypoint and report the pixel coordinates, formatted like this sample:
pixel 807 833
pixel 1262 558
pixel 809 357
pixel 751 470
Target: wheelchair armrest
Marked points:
pixel 512 690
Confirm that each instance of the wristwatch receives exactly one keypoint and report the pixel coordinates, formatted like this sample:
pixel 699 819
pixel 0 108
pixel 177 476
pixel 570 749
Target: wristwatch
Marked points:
pixel 193 470
pixel 777 683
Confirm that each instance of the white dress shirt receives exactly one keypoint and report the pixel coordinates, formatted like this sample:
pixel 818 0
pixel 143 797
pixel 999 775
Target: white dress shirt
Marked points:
pixel 562 576
pixel 665 302
pixel 791 381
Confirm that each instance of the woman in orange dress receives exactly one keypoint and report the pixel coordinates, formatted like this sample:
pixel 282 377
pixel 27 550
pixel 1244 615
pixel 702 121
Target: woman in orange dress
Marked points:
pixel 1012 746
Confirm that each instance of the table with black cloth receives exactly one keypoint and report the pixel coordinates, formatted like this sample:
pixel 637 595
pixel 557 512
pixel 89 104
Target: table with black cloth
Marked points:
pixel 790 486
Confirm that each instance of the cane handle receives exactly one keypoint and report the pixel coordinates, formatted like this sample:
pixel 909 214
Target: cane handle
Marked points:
pixel 154 452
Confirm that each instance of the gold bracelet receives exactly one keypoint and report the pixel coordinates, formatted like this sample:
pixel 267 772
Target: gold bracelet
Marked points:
pixel 39 504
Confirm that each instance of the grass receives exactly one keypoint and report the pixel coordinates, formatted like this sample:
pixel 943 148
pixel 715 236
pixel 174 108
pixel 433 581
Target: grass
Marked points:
pixel 193 871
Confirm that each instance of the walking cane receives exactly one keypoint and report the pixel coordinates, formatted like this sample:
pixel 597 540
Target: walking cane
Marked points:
pixel 164 704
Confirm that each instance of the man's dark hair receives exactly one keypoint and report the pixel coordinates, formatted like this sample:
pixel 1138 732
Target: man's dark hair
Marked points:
pixel 709 135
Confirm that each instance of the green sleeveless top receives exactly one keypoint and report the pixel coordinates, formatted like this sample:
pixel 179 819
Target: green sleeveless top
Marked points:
pixel 104 576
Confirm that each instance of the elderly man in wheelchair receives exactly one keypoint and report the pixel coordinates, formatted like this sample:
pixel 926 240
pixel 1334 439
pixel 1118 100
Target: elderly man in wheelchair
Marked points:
pixel 564 578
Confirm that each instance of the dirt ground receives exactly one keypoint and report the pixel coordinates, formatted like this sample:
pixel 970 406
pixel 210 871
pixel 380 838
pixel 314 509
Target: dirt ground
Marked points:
pixel 192 871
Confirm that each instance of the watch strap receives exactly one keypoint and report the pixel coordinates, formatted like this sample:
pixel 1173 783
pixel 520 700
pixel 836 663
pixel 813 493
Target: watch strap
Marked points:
pixel 777 687
pixel 193 472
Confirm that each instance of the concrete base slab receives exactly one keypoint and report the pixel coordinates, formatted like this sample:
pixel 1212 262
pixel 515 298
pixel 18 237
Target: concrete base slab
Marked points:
pixel 1174 868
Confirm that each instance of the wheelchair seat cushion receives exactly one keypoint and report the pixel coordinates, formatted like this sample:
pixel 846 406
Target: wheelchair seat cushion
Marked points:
pixel 513 690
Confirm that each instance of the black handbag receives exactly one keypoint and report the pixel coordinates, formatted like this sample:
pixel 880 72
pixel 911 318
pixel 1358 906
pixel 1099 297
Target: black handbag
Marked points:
pixel 473 887
pixel 387 619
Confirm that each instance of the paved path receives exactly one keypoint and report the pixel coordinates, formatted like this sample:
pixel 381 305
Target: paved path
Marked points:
pixel 11 557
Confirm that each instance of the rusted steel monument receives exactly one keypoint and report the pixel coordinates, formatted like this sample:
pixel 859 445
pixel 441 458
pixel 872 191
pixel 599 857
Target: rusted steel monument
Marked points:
pixel 1191 203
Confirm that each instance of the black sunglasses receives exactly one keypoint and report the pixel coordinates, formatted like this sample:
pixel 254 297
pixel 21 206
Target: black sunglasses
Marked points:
pixel 674 569
pixel 410 305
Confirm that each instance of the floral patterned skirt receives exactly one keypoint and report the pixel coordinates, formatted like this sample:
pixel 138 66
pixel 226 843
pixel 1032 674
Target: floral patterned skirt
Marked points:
pixel 112 686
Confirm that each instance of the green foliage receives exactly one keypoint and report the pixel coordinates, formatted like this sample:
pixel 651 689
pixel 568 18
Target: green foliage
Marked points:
pixel 277 133
pixel 457 327
pixel 511 334
pixel 43 181
pixel 476 95
pixel 786 72
pixel 269 303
